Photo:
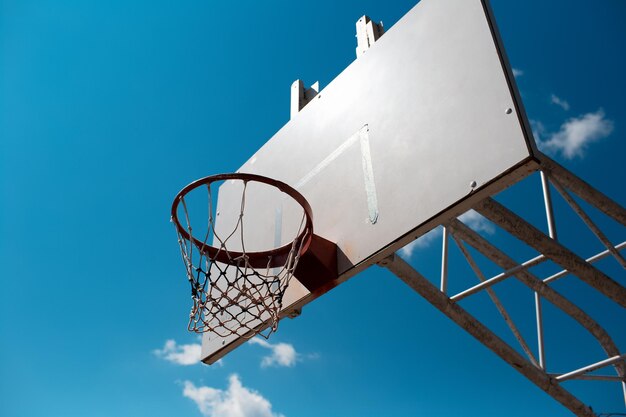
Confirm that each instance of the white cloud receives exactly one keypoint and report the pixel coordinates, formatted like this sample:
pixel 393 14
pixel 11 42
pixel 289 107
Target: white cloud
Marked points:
pixel 575 134
pixel 517 72
pixel 236 401
pixel 421 242
pixel 559 102
pixel 539 129
pixel 471 218
pixel 477 222
pixel 283 354
pixel 179 354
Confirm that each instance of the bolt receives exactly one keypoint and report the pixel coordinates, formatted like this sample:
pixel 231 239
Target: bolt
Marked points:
pixel 473 184
pixel 509 111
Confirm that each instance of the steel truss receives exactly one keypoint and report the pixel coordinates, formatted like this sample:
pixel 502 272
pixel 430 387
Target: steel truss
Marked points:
pixel 533 367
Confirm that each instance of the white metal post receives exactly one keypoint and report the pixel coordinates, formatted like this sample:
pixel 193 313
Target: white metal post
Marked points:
pixel 547 199
pixel 444 261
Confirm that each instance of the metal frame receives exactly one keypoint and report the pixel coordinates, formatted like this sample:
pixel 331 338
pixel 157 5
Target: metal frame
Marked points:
pixel 533 366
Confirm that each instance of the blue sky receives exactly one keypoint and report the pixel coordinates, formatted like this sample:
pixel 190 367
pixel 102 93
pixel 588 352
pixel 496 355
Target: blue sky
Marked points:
pixel 108 108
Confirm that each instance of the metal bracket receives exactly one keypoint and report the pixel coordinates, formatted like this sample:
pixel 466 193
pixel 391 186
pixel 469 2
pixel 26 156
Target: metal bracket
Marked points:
pixel 367 32
pixel 301 96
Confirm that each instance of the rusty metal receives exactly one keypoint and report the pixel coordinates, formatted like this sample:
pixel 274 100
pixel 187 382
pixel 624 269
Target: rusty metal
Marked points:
pixel 549 382
pixel 583 189
pixel 590 224
pixel 500 277
pixel 469 323
pixel 530 280
pixel 558 253
pixel 496 301
pixel 591 259
pixel 592 367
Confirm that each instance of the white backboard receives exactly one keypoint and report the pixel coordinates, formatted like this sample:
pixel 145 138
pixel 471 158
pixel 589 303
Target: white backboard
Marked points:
pixel 423 123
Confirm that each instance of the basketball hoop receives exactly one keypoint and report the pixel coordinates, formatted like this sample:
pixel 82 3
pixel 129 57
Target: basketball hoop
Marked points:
pixel 236 292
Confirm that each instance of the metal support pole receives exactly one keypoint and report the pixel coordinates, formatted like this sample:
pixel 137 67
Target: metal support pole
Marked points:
pixel 479 331
pixel 609 378
pixel 500 277
pixel 540 343
pixel 583 190
pixel 590 260
pixel 547 200
pixel 590 224
pixel 444 261
pixel 496 301
pixel 592 367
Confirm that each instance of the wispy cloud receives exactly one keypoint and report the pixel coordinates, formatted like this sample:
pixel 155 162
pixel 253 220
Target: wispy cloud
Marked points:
pixel 477 222
pixel 539 130
pixel 517 72
pixel 471 218
pixel 575 134
pixel 282 354
pixel 559 102
pixel 179 354
pixel 235 401
pixel 422 242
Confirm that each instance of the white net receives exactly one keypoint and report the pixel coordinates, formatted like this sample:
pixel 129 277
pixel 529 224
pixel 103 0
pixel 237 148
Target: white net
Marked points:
pixel 234 292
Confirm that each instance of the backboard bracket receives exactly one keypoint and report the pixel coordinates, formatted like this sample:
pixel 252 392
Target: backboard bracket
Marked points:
pixel 367 32
pixel 318 265
pixel 301 96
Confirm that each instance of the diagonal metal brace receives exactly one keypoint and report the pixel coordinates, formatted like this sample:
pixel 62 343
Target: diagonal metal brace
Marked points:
pixel 469 323
pixel 583 190
pixel 527 278
pixel 558 253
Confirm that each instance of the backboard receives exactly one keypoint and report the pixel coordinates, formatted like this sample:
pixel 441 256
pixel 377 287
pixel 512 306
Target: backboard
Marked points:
pixel 420 126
